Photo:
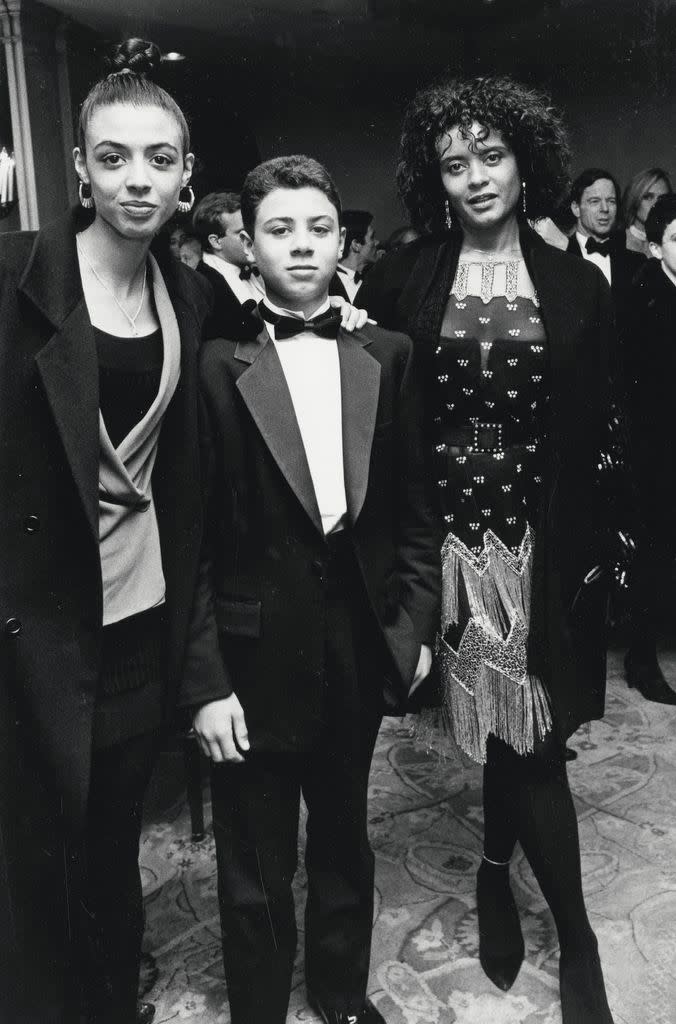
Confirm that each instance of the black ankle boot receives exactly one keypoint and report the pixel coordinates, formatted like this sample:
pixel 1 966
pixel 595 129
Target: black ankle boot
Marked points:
pixel 647 678
pixel 501 946
pixel 583 992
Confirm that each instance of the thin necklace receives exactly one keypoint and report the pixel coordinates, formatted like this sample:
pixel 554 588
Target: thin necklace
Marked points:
pixel 132 319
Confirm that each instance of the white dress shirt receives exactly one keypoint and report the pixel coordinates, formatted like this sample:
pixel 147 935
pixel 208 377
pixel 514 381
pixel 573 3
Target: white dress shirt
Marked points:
pixel 253 288
pixel 348 282
pixel 602 262
pixel 312 371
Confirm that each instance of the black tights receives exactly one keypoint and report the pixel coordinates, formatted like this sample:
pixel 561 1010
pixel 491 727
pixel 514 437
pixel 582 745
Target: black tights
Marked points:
pixel 527 798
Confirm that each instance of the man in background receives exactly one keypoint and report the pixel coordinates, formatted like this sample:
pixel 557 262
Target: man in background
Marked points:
pixel 217 222
pixel 359 253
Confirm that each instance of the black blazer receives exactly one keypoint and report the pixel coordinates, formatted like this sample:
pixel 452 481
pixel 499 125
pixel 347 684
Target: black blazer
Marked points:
pixel 269 549
pixel 50 579
pixel 624 265
pixel 229 318
pixel 407 290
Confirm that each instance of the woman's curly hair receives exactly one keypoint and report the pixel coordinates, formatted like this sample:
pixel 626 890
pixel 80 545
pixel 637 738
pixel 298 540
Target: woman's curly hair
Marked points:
pixel 524 117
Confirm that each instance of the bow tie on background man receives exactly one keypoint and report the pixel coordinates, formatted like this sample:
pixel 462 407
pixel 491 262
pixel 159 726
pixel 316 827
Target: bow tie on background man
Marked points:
pixel 247 270
pixel 606 248
pixel 326 325
pixel 358 275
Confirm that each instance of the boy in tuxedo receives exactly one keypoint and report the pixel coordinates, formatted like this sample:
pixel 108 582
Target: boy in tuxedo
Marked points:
pixel 326 576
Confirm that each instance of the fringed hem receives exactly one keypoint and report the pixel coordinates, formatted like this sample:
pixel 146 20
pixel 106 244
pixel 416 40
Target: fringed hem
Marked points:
pixel 487 687
pixel 519 715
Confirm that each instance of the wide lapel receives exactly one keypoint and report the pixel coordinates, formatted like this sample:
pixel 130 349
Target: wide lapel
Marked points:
pixel 360 390
pixel 68 362
pixel 264 389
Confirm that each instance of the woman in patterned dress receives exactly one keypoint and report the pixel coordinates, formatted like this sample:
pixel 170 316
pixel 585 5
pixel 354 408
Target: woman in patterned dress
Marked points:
pixel 512 337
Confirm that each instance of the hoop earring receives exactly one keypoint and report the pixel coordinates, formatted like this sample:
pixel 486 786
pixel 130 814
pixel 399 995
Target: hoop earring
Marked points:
pixel 449 217
pixel 84 191
pixel 523 198
pixel 185 205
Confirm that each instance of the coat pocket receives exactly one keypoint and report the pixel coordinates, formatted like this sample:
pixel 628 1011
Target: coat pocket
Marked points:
pixel 238 616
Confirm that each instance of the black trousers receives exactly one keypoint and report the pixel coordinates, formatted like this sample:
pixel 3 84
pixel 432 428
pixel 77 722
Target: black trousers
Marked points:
pixel 110 910
pixel 256 812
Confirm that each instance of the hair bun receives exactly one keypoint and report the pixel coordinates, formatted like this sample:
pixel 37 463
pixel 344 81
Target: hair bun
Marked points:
pixel 135 55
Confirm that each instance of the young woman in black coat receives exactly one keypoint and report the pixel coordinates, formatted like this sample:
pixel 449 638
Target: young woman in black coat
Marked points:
pixel 101 593
pixel 513 337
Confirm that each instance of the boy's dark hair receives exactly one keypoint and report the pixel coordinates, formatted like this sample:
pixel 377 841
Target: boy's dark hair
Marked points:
pixel 660 217
pixel 356 224
pixel 587 179
pixel 296 171
pixel 206 220
pixel 130 67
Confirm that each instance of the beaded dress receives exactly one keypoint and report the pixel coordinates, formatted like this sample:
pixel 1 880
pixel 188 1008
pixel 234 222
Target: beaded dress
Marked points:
pixel 489 398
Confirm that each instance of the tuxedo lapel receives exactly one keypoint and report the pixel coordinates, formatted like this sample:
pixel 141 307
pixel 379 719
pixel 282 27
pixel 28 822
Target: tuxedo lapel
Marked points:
pixel 360 389
pixel 264 389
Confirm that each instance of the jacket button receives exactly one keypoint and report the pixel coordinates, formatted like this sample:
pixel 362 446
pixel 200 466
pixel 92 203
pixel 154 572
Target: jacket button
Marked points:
pixel 31 524
pixel 318 567
pixel 12 627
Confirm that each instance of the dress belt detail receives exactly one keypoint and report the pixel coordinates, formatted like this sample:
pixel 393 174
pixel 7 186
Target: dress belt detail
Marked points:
pixel 479 436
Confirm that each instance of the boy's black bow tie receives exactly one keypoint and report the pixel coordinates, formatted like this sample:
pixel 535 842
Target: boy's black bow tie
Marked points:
pixel 326 325
pixel 247 270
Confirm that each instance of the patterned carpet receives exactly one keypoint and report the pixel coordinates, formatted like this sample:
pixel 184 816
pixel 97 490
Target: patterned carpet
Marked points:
pixel 426 831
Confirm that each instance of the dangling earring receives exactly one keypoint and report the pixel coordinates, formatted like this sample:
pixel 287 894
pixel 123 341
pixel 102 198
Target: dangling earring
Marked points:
pixel 186 203
pixel 523 198
pixel 85 193
pixel 449 218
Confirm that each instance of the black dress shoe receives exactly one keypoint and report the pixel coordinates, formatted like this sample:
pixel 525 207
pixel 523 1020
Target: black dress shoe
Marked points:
pixel 501 947
pixel 144 1012
pixel 367 1015
pixel 647 678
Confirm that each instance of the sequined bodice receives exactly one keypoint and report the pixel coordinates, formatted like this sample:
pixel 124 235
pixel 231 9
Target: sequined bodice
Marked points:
pixel 488 369
pixel 490 366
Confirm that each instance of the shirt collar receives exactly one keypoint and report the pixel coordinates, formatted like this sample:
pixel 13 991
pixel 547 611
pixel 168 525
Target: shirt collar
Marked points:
pixel 323 308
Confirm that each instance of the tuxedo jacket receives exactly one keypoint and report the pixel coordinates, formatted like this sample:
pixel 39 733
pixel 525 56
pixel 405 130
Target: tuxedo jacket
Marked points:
pixel 268 547
pixel 623 268
pixel 229 318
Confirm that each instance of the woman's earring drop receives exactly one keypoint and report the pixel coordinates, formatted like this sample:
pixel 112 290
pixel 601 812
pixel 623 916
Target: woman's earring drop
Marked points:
pixel 186 199
pixel 449 217
pixel 85 193
pixel 523 198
